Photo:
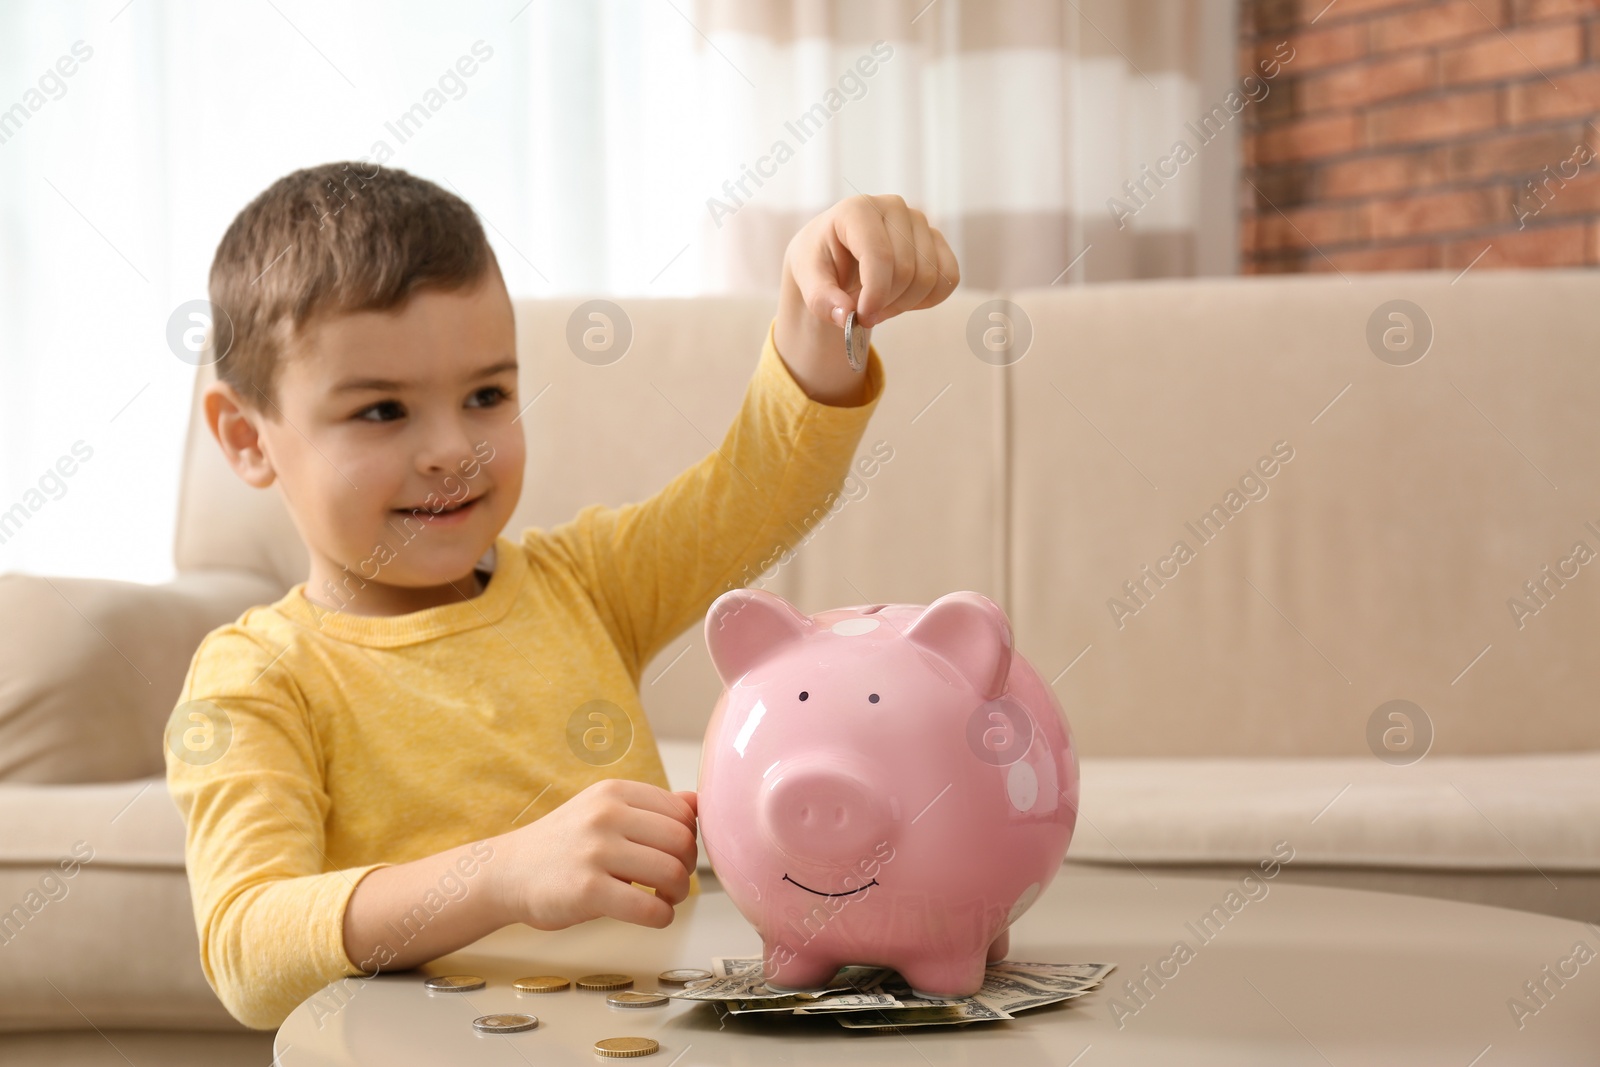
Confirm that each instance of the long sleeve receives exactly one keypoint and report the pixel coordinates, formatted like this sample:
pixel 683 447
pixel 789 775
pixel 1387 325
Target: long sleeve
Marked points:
pixel 654 567
pixel 269 912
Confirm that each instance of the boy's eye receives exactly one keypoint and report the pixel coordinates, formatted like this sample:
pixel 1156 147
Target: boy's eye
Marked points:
pixel 383 411
pixel 487 397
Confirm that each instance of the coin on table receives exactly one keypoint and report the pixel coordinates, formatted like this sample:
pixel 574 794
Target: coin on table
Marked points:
pixel 629 999
pixel 605 981
pixel 541 983
pixel 454 983
pixel 855 343
pixel 504 1024
pixel 683 975
pixel 621 1048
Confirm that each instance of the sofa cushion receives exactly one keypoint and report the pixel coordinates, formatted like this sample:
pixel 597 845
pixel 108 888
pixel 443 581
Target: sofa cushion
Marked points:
pixel 90 669
pixel 1389 558
pixel 1465 813
pixel 95 916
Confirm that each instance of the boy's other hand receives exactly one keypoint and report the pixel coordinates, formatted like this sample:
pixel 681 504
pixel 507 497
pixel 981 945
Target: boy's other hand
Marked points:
pixel 874 255
pixel 577 862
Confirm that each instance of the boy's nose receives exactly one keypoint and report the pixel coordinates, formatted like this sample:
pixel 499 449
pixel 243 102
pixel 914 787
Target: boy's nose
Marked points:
pixel 444 449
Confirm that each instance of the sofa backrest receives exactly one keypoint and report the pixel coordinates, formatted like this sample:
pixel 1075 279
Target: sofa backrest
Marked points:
pixel 1355 529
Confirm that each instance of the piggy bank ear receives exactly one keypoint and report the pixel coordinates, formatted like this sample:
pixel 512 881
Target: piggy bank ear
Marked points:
pixel 969 632
pixel 745 626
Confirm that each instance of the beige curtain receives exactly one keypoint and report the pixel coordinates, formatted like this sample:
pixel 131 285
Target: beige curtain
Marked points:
pixel 1015 124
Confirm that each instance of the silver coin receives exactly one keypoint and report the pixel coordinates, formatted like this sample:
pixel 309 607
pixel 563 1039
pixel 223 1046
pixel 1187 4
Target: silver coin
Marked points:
pixel 504 1024
pixel 454 983
pixel 683 975
pixel 629 999
pixel 855 343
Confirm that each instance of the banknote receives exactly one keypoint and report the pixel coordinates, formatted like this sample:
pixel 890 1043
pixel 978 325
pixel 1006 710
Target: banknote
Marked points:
pixel 729 966
pixel 869 996
pixel 995 974
pixel 742 978
pixel 999 988
pixel 751 1007
pixel 855 975
pixel 936 1015
pixel 817 1006
pixel 743 987
pixel 1011 995
pixel 1089 972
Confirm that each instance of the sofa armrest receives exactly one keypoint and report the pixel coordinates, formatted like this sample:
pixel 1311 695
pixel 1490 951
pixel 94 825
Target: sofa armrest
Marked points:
pixel 90 669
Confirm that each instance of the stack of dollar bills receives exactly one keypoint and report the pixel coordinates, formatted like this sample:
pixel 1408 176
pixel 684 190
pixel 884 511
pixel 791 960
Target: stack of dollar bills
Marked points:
pixel 876 997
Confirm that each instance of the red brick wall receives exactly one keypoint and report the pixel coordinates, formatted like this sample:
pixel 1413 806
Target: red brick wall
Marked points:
pixel 1408 135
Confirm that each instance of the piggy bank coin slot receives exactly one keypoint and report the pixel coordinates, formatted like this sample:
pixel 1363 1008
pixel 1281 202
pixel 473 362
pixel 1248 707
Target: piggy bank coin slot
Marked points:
pixel 873 610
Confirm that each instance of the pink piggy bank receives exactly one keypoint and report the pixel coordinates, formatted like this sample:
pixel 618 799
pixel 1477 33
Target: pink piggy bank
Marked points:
pixel 888 784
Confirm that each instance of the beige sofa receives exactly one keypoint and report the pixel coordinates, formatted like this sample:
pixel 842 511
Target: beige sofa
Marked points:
pixel 1228 708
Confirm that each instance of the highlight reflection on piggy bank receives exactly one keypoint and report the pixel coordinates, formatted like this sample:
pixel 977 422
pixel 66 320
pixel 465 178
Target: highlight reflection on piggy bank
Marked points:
pixel 888 784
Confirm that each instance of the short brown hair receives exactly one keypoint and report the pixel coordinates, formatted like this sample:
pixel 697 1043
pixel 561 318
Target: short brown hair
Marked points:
pixel 336 238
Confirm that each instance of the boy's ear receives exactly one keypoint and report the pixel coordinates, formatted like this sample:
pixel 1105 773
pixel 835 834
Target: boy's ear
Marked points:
pixel 236 426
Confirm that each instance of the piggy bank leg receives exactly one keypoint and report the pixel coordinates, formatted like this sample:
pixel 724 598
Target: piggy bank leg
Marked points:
pixel 1000 946
pixel 945 977
pixel 798 970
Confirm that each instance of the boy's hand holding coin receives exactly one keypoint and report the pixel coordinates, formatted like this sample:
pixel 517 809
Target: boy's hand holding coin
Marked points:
pixel 578 862
pixel 872 255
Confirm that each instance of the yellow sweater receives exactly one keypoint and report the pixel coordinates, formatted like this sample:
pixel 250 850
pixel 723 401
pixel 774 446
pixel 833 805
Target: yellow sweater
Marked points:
pixel 354 742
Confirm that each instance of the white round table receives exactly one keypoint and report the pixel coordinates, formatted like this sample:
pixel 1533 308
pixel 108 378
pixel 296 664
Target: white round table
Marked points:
pixel 1301 975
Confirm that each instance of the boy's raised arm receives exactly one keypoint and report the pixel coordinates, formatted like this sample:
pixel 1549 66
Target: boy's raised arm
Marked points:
pixel 874 255
pixel 655 566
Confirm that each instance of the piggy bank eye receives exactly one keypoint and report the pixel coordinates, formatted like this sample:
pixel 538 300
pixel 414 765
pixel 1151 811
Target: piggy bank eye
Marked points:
pixel 873 698
pixel 804 694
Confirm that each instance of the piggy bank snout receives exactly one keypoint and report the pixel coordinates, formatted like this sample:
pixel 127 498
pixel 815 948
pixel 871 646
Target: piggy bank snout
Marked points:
pixel 825 814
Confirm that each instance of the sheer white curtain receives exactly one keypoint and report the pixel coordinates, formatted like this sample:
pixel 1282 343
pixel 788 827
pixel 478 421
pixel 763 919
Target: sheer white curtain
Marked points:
pixel 598 141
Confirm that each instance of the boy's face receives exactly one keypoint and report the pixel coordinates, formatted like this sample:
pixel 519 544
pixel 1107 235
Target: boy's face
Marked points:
pixel 394 444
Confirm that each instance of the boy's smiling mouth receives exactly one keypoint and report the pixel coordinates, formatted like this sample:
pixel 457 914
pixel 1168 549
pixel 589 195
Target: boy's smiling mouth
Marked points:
pixel 453 513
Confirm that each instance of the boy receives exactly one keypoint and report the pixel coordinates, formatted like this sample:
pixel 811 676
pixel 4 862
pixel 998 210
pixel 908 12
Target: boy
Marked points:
pixel 398 777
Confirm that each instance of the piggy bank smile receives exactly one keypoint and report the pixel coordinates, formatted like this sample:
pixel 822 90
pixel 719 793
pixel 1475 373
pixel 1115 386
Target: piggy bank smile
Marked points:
pixel 889 734
pixel 820 893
